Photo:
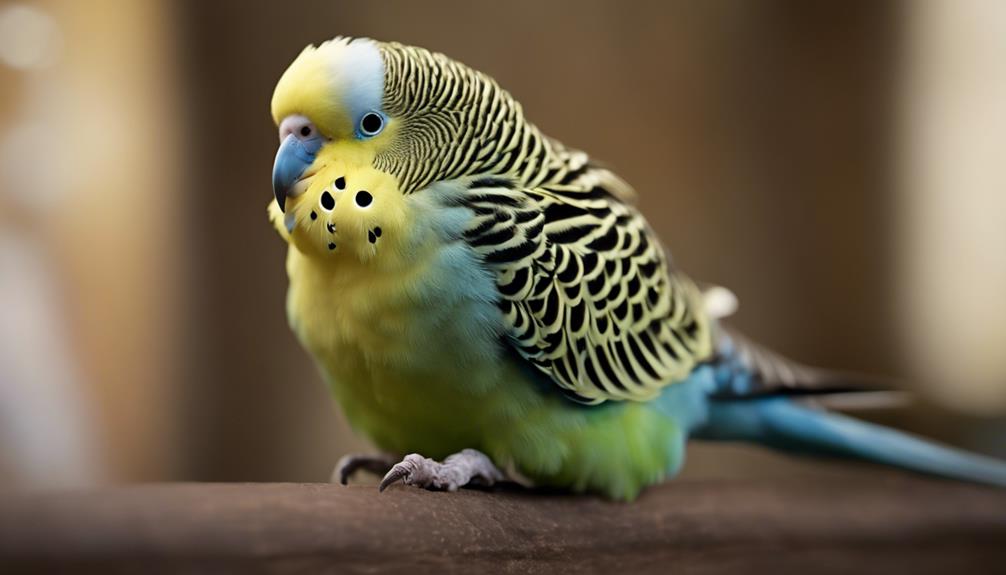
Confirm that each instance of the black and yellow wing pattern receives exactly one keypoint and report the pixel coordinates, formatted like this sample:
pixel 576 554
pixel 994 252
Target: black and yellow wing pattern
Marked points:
pixel 587 293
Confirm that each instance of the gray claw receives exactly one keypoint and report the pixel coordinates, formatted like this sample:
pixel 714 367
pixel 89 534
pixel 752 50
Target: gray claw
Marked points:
pixel 397 472
pixel 408 470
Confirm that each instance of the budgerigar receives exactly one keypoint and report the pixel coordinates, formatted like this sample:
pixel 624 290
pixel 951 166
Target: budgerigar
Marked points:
pixel 489 303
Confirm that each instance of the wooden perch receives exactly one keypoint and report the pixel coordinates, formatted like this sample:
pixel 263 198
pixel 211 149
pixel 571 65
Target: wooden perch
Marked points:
pixel 864 521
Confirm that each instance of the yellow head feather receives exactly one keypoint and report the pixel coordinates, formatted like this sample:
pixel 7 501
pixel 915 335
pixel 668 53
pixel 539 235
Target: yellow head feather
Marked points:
pixel 332 85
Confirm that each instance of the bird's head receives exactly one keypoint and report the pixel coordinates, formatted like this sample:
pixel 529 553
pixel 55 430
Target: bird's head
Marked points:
pixel 357 115
pixel 329 108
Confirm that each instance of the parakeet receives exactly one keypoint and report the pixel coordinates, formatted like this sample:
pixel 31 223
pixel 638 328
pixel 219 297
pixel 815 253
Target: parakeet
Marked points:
pixel 486 303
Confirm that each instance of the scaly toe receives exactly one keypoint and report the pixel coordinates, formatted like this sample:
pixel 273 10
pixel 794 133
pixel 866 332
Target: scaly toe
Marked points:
pixel 469 466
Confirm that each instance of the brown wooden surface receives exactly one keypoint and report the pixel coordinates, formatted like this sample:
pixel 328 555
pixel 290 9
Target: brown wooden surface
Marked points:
pixel 860 521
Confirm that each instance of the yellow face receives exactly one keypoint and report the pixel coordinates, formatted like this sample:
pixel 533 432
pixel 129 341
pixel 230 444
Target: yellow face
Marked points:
pixel 348 213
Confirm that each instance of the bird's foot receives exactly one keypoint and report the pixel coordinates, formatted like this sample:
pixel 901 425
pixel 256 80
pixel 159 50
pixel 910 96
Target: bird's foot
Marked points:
pixel 378 464
pixel 467 467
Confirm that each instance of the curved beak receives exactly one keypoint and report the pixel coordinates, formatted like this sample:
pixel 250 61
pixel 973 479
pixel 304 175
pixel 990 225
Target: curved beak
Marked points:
pixel 292 159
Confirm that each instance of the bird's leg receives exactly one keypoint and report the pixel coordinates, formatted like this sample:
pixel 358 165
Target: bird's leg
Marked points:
pixel 467 467
pixel 378 464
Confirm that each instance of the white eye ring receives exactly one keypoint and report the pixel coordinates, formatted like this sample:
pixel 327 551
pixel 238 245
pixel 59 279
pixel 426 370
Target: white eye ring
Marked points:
pixel 371 124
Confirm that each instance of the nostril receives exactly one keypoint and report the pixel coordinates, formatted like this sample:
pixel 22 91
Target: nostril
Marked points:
pixel 327 201
pixel 298 126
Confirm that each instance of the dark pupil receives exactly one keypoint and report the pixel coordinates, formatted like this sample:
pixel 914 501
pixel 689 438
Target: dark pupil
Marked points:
pixel 305 131
pixel 371 123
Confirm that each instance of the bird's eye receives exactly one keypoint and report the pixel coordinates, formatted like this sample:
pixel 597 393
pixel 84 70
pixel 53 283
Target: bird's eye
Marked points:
pixel 371 124
pixel 305 131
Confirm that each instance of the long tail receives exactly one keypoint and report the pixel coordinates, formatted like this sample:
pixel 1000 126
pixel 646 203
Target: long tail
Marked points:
pixel 784 423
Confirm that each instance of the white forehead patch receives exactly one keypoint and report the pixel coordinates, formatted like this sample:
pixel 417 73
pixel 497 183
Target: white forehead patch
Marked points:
pixel 357 72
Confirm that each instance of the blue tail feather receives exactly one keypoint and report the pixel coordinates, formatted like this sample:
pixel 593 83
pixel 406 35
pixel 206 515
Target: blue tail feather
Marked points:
pixel 783 423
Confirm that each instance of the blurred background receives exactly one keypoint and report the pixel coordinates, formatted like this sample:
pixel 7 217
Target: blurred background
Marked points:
pixel 838 165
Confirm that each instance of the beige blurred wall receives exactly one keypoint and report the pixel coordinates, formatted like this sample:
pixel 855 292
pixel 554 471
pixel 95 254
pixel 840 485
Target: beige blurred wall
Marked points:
pixel 92 186
pixel 952 194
